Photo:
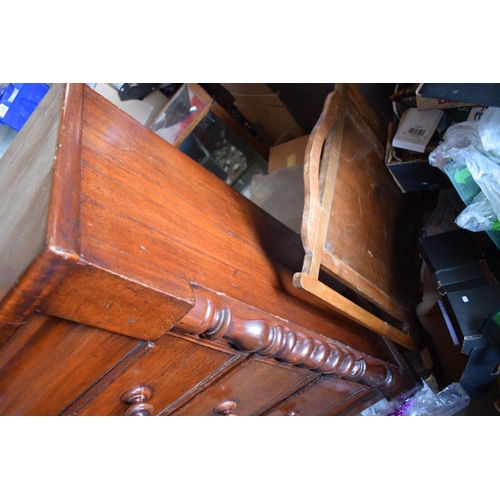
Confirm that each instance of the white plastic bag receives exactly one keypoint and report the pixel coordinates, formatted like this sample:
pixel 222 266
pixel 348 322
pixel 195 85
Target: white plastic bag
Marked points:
pixel 478 216
pixel 489 130
pixel 457 137
pixel 475 144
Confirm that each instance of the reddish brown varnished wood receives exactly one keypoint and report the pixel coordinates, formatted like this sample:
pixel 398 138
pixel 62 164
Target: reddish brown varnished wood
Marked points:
pixel 227 409
pixel 254 386
pixel 63 228
pixel 136 395
pixel 320 397
pixel 151 215
pixel 356 407
pixel 50 362
pixel 140 410
pixel 91 295
pixel 136 399
pixel 216 317
pixel 174 370
pixel 139 240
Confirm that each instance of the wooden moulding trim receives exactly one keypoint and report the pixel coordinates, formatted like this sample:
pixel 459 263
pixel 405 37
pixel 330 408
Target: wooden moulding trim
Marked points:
pixel 36 283
pixel 214 316
pixel 63 230
pixel 349 309
pixel 62 241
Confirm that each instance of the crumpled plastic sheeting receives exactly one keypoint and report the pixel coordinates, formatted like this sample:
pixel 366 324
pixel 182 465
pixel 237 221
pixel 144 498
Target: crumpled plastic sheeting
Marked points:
pixel 427 404
pixel 478 216
pixel 477 146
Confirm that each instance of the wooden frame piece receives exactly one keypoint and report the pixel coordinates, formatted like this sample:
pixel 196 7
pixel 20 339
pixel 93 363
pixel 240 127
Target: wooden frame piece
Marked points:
pixel 352 216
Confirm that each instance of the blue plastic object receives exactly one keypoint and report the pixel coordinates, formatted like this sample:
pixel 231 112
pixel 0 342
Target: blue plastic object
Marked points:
pixel 18 101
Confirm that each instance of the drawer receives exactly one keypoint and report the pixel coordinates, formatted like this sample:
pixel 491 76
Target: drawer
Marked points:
pixel 249 389
pixel 50 362
pixel 171 373
pixel 326 395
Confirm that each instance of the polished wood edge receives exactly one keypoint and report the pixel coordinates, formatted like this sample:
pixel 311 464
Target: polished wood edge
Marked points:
pixel 36 283
pixel 291 391
pixel 63 229
pixel 362 390
pixel 216 316
pixel 240 130
pixel 7 331
pixel 234 361
pixel 350 310
pixel 12 346
pixel 308 377
pixel 108 378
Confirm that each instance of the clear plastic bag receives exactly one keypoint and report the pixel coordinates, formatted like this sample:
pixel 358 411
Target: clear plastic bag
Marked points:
pixel 478 216
pixel 426 403
pixel 475 144
pixel 458 137
pixel 489 130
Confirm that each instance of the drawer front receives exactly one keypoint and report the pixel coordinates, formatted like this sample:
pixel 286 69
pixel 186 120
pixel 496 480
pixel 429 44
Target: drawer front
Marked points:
pixel 50 362
pixel 249 389
pixel 172 372
pixel 327 395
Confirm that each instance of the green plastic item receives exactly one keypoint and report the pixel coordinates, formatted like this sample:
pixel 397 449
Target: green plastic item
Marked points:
pixel 468 189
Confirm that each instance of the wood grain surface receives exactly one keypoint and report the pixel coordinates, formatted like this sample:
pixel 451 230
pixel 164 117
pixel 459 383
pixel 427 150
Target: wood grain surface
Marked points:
pixel 104 304
pixel 156 218
pixel 51 362
pixel 323 396
pixel 254 386
pixel 174 370
pixel 357 225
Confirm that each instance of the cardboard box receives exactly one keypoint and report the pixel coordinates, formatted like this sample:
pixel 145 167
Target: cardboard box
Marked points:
pixel 265 111
pixel 288 154
pixel 412 171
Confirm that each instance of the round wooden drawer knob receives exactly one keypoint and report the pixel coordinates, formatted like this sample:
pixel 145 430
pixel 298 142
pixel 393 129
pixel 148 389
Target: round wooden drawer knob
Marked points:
pixel 227 409
pixel 137 398
pixel 140 410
